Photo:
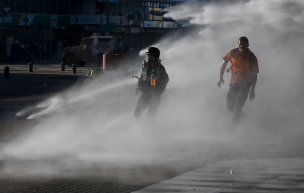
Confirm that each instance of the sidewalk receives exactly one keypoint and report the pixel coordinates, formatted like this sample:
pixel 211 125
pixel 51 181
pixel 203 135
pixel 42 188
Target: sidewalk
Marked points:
pixel 248 176
pixel 34 62
pixel 45 78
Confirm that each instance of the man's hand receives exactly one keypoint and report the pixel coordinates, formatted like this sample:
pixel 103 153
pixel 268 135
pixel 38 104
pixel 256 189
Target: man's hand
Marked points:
pixel 219 82
pixel 252 94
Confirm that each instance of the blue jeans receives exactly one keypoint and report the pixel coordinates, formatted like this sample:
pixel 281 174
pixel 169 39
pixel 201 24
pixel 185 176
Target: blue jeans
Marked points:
pixel 236 98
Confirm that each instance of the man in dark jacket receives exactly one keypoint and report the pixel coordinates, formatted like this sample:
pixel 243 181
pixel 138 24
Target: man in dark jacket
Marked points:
pixel 152 83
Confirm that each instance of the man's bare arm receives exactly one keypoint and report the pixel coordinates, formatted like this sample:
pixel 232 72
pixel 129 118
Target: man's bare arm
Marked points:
pixel 255 77
pixel 221 79
pixel 252 91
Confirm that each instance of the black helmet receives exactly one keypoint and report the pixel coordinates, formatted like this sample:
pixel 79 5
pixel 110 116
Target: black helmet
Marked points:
pixel 153 50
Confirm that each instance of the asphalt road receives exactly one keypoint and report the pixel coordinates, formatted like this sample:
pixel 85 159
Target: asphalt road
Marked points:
pixel 23 89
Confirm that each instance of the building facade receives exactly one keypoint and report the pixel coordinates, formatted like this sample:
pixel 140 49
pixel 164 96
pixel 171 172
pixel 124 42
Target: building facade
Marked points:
pixel 140 22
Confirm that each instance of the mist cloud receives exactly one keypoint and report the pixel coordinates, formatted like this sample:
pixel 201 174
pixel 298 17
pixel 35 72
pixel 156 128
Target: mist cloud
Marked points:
pixel 97 123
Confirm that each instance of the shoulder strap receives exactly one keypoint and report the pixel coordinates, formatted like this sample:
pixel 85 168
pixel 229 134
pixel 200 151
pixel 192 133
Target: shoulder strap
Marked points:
pixel 233 53
pixel 231 56
pixel 251 59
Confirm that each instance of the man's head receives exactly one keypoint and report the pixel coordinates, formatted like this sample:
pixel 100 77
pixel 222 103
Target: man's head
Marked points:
pixel 243 44
pixel 153 54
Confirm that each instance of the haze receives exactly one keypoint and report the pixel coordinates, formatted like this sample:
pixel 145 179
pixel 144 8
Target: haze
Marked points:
pixel 96 124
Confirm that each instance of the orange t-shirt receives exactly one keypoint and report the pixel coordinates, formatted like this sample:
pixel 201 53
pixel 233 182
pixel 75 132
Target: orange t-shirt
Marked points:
pixel 240 66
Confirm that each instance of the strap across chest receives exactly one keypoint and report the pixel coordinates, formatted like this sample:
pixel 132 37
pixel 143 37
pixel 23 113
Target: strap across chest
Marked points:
pixel 234 52
pixel 149 69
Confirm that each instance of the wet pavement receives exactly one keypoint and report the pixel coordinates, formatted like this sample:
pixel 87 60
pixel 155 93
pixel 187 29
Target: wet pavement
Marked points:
pixel 260 175
pixel 24 88
pixel 205 170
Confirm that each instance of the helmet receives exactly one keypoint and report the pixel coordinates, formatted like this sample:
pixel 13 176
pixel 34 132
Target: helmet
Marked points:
pixel 153 50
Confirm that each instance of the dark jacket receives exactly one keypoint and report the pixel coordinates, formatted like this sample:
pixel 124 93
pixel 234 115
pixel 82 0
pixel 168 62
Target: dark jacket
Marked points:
pixel 144 82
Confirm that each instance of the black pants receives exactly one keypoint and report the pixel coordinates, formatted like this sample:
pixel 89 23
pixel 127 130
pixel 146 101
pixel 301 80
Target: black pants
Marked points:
pixel 236 98
pixel 150 101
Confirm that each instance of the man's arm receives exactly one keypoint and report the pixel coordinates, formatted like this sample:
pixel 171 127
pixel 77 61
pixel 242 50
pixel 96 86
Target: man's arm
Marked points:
pixel 162 80
pixel 139 83
pixel 252 91
pixel 221 79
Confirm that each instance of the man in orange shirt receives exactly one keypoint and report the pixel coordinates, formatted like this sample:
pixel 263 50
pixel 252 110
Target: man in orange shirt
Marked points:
pixel 244 69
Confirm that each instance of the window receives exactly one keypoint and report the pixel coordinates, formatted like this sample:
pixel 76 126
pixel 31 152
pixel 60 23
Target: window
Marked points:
pixel 100 7
pixel 138 9
pixel 34 7
pixel 63 7
pixel 114 9
pixel 47 6
pixel 40 6
pixel 76 7
pixel 158 14
pixel 10 4
pixel 27 6
pixel 54 6
pixel 20 6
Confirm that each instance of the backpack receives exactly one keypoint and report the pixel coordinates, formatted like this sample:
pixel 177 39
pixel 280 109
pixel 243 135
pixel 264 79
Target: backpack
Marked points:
pixel 233 54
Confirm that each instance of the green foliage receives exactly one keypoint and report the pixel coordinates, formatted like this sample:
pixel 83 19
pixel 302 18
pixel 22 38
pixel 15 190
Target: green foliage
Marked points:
pixel 93 74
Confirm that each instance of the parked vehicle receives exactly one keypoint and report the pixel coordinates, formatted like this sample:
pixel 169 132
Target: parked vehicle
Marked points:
pixel 92 50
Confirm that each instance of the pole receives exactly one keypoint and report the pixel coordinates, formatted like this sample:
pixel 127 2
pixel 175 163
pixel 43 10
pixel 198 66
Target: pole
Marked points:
pixel 30 67
pixel 62 66
pixel 74 66
pixel 6 72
